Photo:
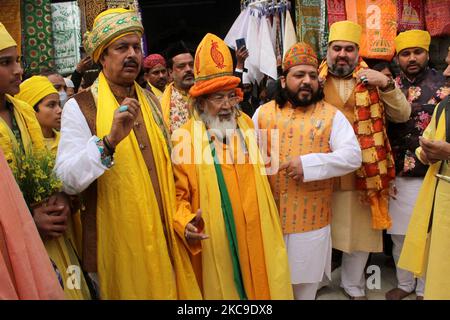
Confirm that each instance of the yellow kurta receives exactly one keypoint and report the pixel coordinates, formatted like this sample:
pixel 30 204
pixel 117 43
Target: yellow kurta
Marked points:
pixel 52 143
pixel 61 249
pixel 427 254
pixel 240 180
pixel 135 259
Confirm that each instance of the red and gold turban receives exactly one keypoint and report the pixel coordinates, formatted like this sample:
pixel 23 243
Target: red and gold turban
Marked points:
pixel 153 60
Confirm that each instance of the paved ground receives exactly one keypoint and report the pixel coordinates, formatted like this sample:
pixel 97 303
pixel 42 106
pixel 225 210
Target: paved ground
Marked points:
pixel 388 281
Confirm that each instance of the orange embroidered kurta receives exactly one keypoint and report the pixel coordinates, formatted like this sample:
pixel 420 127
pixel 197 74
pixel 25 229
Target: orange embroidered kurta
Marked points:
pixel 303 206
pixel 240 181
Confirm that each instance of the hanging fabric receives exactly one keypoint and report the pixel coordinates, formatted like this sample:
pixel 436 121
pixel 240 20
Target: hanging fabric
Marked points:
pixel 378 19
pixel 10 17
pixel 308 22
pixel 437 17
pixel 323 30
pixel 267 58
pixel 290 37
pixel 38 51
pixel 335 11
pixel 265 25
pixel 411 15
pixel 239 29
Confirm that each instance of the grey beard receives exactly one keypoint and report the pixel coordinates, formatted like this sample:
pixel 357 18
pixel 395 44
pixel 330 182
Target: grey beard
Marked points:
pixel 221 129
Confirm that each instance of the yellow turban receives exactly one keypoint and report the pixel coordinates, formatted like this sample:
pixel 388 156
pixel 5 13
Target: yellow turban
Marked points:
pixel 6 41
pixel 213 67
pixel 35 89
pixel 345 31
pixel 109 26
pixel 412 39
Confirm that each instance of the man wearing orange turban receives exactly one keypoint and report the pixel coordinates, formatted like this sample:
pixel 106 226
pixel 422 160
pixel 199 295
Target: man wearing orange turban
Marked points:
pixel 315 144
pixel 225 208
pixel 114 148
pixel 424 88
pixel 366 97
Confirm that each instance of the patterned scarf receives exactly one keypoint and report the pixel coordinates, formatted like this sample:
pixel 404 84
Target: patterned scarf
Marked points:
pixel 377 170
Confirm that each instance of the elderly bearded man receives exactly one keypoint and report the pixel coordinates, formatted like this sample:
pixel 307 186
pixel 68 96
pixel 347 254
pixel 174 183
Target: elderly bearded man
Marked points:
pixel 127 227
pixel 366 97
pixel 239 254
pixel 316 143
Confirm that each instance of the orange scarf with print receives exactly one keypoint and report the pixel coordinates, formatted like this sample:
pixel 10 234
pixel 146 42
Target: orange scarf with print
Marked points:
pixel 377 169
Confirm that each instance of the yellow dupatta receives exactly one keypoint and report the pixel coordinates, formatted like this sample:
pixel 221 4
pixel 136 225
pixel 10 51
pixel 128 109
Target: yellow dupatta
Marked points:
pixel 133 259
pixel 165 104
pixel 29 127
pixel 217 267
pixel 420 254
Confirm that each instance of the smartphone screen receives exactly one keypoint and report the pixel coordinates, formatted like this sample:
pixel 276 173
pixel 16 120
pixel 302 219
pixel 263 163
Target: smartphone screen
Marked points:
pixel 240 43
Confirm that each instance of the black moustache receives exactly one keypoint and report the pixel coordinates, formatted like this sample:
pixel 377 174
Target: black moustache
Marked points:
pixel 130 64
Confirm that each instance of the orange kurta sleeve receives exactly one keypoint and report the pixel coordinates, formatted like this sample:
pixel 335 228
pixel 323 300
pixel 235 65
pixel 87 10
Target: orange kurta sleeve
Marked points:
pixel 187 202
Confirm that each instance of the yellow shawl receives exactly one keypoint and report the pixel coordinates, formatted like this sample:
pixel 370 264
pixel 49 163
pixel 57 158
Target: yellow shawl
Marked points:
pixel 165 104
pixel 29 127
pixel 133 259
pixel 216 258
pixel 420 254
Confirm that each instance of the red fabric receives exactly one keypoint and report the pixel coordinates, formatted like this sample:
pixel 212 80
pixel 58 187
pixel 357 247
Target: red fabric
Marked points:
pixel 25 268
pixel 411 15
pixel 336 11
pixel 437 17
pixel 153 60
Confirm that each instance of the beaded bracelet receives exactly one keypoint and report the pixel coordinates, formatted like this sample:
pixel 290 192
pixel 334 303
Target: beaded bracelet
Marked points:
pixel 106 159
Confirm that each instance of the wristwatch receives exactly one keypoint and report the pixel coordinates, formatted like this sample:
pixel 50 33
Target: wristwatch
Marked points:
pixel 390 85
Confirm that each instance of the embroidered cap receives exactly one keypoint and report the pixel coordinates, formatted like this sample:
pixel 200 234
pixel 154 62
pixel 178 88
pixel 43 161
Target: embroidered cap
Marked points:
pixel 300 53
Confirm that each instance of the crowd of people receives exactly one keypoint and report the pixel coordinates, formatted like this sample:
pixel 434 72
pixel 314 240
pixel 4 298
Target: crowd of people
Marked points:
pixel 177 182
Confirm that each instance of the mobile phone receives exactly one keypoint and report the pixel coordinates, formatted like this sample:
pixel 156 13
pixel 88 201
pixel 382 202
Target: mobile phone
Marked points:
pixel 240 43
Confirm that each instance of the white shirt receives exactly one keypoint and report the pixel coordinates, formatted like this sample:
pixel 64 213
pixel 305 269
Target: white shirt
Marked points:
pixel 78 162
pixel 345 155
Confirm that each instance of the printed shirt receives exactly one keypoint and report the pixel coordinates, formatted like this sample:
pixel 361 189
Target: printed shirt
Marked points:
pixel 423 93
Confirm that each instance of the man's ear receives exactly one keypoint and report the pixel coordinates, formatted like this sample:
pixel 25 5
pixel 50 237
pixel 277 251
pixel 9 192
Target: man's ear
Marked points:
pixel 201 104
pixel 283 82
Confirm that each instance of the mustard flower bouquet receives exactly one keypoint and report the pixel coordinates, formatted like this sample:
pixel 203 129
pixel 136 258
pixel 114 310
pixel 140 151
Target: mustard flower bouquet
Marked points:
pixel 34 175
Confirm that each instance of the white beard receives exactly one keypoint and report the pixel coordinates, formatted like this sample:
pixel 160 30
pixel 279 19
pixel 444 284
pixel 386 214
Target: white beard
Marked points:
pixel 220 128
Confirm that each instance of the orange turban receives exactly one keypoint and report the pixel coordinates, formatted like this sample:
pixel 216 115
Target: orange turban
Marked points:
pixel 213 68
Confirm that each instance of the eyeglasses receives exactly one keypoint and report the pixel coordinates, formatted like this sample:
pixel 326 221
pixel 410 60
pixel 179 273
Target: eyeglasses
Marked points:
pixel 220 100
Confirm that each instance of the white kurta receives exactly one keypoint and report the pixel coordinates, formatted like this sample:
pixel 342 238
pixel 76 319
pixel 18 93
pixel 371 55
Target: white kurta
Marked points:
pixel 310 252
pixel 309 255
pixel 78 162
pixel 402 207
